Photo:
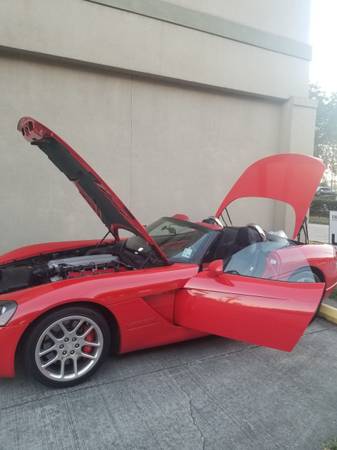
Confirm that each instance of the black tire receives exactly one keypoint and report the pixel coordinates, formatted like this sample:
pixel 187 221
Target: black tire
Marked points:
pixel 99 346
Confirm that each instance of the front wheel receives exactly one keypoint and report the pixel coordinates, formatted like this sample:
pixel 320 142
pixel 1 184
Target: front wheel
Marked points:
pixel 67 346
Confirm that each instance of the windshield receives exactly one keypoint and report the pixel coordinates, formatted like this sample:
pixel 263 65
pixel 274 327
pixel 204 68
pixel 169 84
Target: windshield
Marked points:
pixel 179 240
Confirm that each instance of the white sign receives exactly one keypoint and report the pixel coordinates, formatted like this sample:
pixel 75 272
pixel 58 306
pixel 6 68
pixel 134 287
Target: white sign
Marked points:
pixel 333 228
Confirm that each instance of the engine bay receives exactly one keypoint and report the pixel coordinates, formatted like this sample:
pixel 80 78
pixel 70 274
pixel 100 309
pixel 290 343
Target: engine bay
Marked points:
pixel 58 266
pixel 117 256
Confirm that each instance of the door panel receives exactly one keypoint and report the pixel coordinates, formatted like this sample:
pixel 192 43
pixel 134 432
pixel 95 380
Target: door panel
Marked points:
pixel 265 312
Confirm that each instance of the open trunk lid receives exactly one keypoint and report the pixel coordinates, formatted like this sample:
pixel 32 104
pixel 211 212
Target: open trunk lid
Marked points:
pixel 291 178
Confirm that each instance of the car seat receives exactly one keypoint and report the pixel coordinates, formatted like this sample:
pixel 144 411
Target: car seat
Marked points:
pixel 234 239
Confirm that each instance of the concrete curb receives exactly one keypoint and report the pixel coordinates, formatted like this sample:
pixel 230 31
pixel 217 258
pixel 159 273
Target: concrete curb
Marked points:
pixel 328 312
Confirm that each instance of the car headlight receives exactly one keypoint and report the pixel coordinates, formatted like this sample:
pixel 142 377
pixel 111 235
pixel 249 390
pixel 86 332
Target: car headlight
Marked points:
pixel 7 310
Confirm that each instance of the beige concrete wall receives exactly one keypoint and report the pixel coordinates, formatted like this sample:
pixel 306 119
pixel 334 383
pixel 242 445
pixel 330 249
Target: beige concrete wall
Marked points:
pixel 163 148
pixel 169 106
pixel 288 18
pixel 96 34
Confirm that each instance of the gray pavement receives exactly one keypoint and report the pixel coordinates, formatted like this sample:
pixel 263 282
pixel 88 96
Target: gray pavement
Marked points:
pixel 211 393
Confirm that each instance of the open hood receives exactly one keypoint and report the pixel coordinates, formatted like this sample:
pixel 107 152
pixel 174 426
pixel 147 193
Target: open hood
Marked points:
pixel 291 178
pixel 106 204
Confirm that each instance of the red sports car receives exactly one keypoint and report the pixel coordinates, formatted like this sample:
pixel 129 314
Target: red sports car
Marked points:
pixel 65 306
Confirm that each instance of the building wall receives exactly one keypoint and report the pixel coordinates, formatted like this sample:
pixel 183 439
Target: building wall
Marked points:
pixel 289 18
pixel 168 115
pixel 80 31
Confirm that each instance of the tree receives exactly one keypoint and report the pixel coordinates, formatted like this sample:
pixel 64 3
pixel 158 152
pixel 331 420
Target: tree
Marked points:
pixel 326 127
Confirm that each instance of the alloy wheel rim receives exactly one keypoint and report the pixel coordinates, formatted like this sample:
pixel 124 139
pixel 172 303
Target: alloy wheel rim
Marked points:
pixel 69 348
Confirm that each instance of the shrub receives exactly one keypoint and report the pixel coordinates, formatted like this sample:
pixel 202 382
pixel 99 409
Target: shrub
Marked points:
pixel 330 445
pixel 321 207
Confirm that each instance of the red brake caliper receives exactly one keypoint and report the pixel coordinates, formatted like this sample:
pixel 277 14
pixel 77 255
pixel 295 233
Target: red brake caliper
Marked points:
pixel 89 338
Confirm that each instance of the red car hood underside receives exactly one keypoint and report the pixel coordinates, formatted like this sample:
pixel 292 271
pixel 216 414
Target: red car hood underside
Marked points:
pixel 106 204
pixel 291 178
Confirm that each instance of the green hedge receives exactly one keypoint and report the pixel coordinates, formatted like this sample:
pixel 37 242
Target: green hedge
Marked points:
pixel 321 207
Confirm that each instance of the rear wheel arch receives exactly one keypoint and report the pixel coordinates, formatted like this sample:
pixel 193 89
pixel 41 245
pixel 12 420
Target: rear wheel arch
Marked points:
pixel 315 270
pixel 319 273
pixel 105 312
pixel 321 277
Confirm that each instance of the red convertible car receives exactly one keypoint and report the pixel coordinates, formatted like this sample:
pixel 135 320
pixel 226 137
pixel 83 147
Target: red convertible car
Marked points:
pixel 64 306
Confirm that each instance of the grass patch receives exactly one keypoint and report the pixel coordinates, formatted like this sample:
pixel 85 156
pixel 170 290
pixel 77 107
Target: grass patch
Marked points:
pixel 334 295
pixel 330 445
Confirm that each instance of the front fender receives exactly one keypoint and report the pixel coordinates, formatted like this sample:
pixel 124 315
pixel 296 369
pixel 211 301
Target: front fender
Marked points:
pixel 30 251
pixel 123 294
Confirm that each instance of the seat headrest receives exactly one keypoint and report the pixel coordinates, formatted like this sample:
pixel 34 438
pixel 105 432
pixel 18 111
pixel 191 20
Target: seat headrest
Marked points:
pixel 247 236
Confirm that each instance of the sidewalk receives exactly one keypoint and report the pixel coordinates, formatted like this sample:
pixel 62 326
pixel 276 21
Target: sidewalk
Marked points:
pixel 211 393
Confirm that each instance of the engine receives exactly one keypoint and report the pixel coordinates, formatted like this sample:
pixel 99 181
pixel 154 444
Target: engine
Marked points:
pixel 55 267
pixel 60 268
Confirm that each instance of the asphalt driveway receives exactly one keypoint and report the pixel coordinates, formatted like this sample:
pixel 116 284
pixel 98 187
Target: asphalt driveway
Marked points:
pixel 211 393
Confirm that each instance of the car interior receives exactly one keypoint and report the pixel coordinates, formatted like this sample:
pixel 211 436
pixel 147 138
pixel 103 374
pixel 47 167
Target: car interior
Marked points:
pixel 233 239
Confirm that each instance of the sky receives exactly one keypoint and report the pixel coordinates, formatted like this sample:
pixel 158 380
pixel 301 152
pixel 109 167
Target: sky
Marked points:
pixel 323 37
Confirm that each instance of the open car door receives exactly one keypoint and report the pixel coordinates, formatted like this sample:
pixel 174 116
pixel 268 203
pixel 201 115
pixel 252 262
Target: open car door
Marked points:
pixel 264 295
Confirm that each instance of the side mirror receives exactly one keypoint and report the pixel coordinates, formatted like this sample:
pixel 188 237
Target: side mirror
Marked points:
pixel 216 266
